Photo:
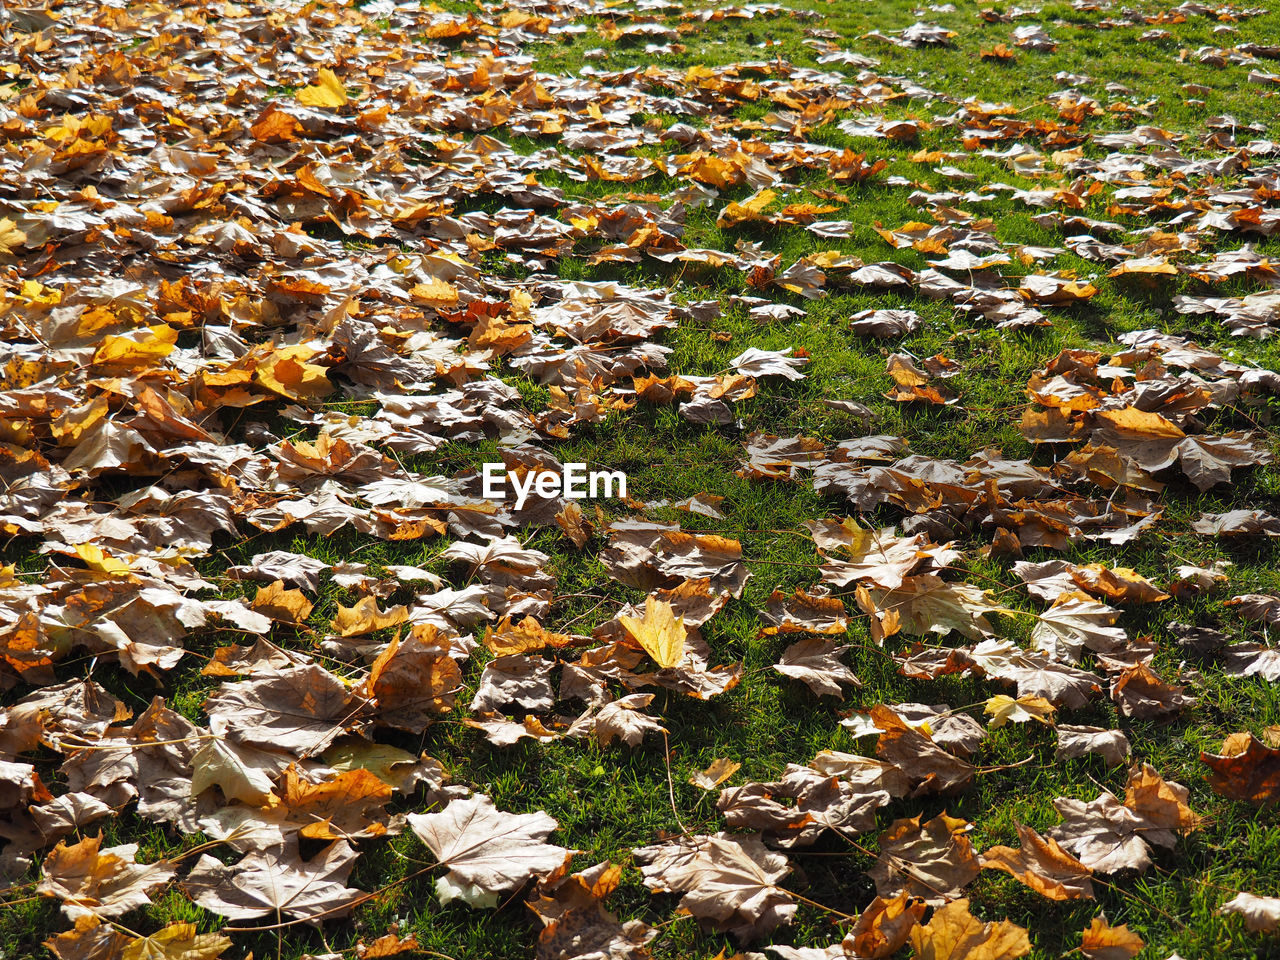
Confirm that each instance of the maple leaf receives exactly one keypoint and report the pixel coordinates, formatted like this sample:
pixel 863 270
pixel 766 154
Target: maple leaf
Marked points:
pixel 241 771
pixel 933 861
pixel 730 881
pixel 365 617
pixel 803 613
pixel 1077 741
pixel 1139 692
pixel 1003 709
pixel 389 945
pixel 880 931
pixel 521 680
pixel 300 710
pixel 576 925
pixel 1260 913
pixel 89 939
pixel 720 770
pixel 883 558
pixel 11 238
pixel 1249 772
pixel 884 926
pixel 487 850
pixel 280 604
pixel 1072 625
pixel 327 92
pixel 953 933
pixel 931 768
pixel 1105 942
pixel 177 941
pixel 817 664
pixel 620 719
pixel 1041 864
pixel 106 882
pixel 821 801
pixel 527 636
pixel 276 882
pixel 659 632
pixel 412 682
pixel 1034 673
pixel 926 604
pixel 1108 836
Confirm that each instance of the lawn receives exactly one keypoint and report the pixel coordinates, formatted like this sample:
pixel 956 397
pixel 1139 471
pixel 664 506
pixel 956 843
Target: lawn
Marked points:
pixel 284 278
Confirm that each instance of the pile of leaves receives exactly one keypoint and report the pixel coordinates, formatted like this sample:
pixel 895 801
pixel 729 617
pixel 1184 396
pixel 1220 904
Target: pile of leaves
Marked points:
pixel 273 273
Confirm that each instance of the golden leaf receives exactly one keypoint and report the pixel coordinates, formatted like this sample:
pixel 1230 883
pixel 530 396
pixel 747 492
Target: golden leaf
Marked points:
pixel 329 92
pixel 660 632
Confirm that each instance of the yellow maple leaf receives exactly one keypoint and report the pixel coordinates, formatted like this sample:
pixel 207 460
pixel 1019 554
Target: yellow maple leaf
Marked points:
pixel 96 559
pixel 365 617
pixel 1003 708
pixel 177 941
pixel 10 236
pixel 274 601
pixel 138 347
pixel 287 372
pixel 329 92
pixel 660 632
pixel 750 209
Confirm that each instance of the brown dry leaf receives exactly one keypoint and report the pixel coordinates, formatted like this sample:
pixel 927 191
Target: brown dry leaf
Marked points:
pixel 89 939
pixel 1250 772
pixel 880 931
pixel 1105 942
pixel 300 710
pixel 927 604
pixel 389 945
pixel 1139 692
pixel 622 719
pixel 998 52
pixel 1075 624
pixel 1108 836
pixel 487 850
pixel 1161 802
pixel 575 525
pixel 817 664
pixel 953 933
pixel 106 882
pixel 1076 741
pixel 929 767
pixel 803 612
pixel 1260 913
pixel 276 883
pixel 934 861
pixel 1117 584
pixel 1041 864
pixel 341 807
pixel 880 557
pixel 274 601
pixel 884 926
pixel 731 881
pixel 412 682
pixel 503 732
pixel 576 925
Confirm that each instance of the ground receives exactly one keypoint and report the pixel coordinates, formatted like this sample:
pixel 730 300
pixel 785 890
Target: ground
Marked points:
pixel 607 801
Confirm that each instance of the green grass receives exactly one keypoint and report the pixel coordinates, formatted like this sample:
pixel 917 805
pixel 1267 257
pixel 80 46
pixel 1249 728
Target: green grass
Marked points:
pixel 608 801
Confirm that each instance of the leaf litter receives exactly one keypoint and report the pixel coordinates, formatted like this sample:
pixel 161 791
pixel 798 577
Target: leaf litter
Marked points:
pixel 247 290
